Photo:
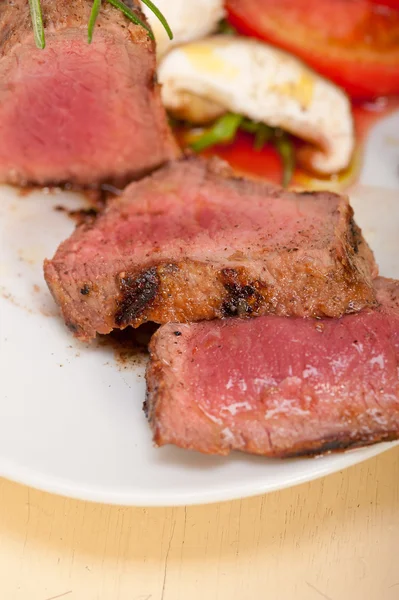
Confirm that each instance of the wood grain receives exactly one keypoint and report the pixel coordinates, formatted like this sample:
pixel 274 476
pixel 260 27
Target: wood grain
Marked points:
pixel 336 538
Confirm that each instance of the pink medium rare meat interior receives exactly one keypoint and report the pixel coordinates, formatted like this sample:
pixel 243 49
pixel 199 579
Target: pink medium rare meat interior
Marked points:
pixel 278 386
pixel 78 112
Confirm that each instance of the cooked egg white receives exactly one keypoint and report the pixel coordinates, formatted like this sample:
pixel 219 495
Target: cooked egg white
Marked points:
pixel 204 79
pixel 188 19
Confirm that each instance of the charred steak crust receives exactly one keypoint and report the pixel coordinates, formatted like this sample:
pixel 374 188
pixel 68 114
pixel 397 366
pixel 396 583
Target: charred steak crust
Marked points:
pixel 244 298
pixel 191 242
pixel 75 112
pixel 136 295
pixel 276 386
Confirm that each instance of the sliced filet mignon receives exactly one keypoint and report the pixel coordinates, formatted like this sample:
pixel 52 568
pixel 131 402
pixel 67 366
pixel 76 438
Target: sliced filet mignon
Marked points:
pixel 278 386
pixel 192 243
pixel 75 112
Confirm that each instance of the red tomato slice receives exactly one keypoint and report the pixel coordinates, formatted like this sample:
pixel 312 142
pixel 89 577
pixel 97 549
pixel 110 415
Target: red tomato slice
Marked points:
pixel 355 43
pixel 264 164
pixel 390 3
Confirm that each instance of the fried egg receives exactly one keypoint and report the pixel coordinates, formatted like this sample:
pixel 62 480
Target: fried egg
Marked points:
pixel 207 78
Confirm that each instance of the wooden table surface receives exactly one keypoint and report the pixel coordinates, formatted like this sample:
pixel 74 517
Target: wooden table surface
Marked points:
pixel 336 538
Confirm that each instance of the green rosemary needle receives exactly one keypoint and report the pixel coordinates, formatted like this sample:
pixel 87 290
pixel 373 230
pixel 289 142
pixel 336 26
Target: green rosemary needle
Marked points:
pixel 93 18
pixel 131 15
pixel 37 22
pixel 38 28
pixel 160 17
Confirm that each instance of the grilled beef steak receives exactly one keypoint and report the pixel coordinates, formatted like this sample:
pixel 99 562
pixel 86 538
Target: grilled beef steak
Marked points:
pixel 78 112
pixel 277 386
pixel 192 243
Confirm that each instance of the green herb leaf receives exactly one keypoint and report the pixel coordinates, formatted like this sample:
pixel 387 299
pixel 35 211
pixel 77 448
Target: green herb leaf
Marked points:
pixel 263 134
pixel 286 150
pixel 222 131
pixel 131 15
pixel 37 22
pixel 93 18
pixel 160 16
pixel 249 126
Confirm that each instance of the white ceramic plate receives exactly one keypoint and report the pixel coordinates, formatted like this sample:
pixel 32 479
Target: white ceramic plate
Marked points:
pixel 71 419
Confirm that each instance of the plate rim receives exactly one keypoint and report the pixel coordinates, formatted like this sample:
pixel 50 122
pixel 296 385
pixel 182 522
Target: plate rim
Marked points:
pixel 18 471
pixel 60 487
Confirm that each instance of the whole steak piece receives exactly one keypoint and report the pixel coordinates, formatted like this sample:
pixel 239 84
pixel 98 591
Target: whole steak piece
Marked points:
pixel 277 386
pixel 75 112
pixel 191 243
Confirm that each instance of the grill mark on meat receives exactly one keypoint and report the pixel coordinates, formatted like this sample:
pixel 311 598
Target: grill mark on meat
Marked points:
pixel 137 293
pixel 245 298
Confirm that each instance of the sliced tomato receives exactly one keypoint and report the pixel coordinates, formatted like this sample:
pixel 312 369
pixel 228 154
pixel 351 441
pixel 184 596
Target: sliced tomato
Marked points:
pixel 355 43
pixel 389 3
pixel 264 164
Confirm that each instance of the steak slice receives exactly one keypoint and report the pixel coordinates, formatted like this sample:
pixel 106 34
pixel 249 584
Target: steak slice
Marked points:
pixel 76 112
pixel 276 386
pixel 191 243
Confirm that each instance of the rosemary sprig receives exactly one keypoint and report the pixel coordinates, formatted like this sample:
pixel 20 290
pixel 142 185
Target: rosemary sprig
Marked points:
pixel 135 19
pixel 37 22
pixel 93 18
pixel 131 16
pixel 160 17
pixel 38 28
